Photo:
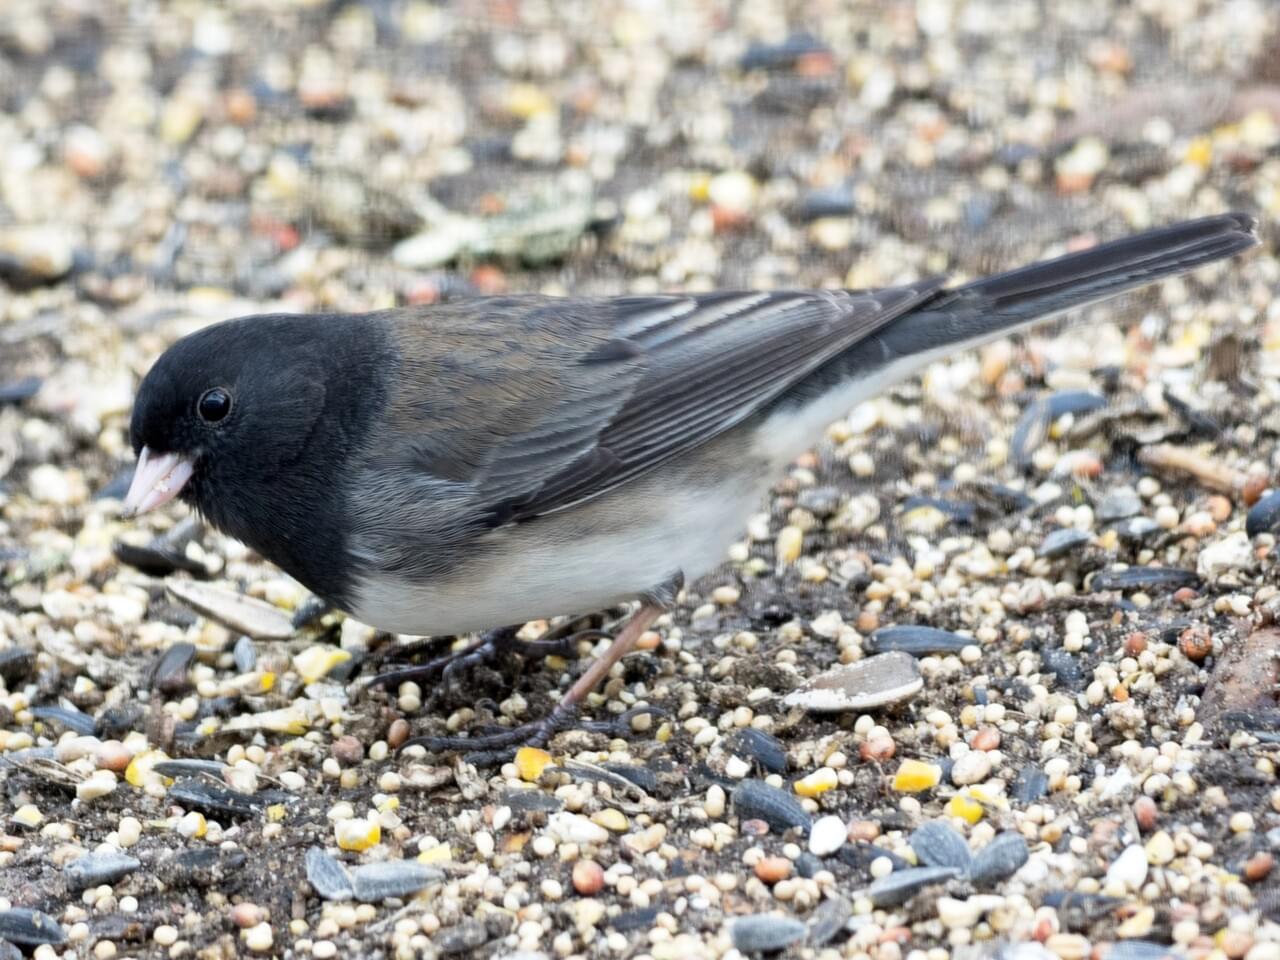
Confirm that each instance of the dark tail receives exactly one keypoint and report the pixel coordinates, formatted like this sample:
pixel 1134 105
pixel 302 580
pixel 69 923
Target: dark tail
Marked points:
pixel 994 306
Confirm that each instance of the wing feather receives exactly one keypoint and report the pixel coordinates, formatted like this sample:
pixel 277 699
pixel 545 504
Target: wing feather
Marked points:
pixel 679 371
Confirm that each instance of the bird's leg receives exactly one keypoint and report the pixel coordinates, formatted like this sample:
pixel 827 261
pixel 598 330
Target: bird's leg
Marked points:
pixel 496 746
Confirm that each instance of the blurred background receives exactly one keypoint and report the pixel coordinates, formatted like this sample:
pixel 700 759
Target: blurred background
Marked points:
pixel 166 165
pixel 202 158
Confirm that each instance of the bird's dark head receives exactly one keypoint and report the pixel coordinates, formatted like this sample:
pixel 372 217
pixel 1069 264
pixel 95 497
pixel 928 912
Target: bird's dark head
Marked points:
pixel 232 404
pixel 252 422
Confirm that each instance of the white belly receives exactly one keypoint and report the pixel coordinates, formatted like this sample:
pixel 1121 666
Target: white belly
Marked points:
pixel 587 559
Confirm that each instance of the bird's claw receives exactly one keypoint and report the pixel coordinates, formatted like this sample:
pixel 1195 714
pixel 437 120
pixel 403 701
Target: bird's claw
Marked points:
pixel 488 750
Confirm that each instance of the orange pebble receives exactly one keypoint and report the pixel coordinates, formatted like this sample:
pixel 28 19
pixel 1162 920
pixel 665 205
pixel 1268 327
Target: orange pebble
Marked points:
pixel 772 869
pixel 649 640
pixel 241 106
pixel 898 935
pixel 1135 643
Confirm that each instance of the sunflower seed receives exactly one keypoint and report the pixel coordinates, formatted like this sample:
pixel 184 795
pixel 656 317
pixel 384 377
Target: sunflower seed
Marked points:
pixel 374 882
pixel 257 618
pixel 754 799
pixel 29 928
pixel 327 875
pixel 861 685
pixel 938 845
pixel 98 868
pixel 917 641
pixel 901 885
pixel 765 932
pixel 1000 858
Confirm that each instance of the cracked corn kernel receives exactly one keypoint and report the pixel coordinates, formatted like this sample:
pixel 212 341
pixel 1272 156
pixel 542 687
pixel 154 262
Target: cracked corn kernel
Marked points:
pixel 192 825
pixel 965 807
pixel 316 661
pixel 817 783
pixel 139 772
pixel 440 853
pixel 357 834
pixel 787 547
pixel 914 776
pixel 530 762
pixel 611 819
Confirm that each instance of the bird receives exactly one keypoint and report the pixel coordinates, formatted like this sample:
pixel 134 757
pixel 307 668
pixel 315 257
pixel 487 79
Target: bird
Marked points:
pixel 477 464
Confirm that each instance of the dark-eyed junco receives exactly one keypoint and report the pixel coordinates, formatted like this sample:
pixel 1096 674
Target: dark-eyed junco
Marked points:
pixel 443 469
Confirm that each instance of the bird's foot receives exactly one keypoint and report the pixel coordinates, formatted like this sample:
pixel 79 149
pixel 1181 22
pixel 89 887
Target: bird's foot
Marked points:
pixel 492 648
pixel 496 747
pixel 488 750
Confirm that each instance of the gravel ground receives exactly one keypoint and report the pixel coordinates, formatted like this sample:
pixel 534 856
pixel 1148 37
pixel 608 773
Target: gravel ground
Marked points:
pixel 993 672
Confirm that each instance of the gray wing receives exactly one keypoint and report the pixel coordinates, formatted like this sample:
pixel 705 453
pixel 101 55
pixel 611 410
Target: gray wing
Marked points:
pixel 673 373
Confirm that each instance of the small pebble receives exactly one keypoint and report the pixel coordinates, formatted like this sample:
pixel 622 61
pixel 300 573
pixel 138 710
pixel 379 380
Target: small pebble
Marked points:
pixel 827 835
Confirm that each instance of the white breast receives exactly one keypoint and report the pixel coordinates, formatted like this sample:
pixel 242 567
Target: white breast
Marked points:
pixel 583 560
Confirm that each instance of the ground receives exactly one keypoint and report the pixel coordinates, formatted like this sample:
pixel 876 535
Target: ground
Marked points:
pixel 1102 702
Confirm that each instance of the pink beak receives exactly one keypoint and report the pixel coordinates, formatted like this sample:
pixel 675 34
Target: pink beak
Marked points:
pixel 156 480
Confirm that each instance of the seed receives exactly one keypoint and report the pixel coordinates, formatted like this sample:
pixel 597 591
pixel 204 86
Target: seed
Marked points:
pixel 1196 642
pixel 588 878
pixel 817 783
pixel 986 738
pixel 398 732
pixel 1258 866
pixel 877 748
pixel 1146 813
pixel 530 762
pixel 914 776
pixel 772 869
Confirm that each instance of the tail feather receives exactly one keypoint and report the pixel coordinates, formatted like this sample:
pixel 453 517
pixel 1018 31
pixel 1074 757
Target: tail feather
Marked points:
pixel 994 306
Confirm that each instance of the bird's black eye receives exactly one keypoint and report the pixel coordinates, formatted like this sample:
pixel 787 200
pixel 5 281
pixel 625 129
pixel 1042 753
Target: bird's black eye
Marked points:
pixel 214 405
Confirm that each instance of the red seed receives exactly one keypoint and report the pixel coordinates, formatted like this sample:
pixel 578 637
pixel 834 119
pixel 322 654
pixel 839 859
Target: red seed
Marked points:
pixel 1258 866
pixel 772 869
pixel 863 831
pixel 245 915
pixel 1196 642
pixel 1146 813
pixel 986 738
pixel 1254 486
pixel 588 878
pixel 878 748
pixel 398 732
